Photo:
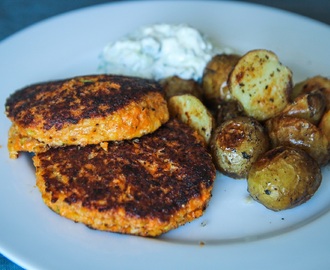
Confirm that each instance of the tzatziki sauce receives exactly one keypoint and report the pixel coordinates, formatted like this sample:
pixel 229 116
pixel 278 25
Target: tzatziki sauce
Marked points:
pixel 159 51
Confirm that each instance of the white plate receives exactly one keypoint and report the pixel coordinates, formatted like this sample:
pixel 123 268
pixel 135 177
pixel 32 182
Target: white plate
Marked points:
pixel 235 231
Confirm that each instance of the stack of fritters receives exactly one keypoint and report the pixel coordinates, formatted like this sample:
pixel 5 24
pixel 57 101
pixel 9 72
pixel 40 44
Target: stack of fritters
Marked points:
pixel 106 154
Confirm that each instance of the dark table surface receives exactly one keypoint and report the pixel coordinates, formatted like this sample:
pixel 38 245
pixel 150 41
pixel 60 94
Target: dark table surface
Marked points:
pixel 16 15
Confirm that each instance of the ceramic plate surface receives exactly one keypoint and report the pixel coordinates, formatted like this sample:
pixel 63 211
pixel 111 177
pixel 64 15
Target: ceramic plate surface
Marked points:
pixel 235 231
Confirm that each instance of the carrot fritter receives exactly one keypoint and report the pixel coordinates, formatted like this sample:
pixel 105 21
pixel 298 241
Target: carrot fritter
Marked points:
pixel 84 110
pixel 145 186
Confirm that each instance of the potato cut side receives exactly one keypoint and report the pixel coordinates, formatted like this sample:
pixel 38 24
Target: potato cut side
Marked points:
pixel 261 84
pixel 190 110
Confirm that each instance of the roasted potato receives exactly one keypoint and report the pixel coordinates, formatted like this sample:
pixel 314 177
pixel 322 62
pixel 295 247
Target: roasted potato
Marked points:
pixel 190 110
pixel 261 84
pixel 309 106
pixel 283 178
pixel 227 110
pixel 299 133
pixel 324 125
pixel 175 85
pixel 312 84
pixel 215 76
pixel 236 144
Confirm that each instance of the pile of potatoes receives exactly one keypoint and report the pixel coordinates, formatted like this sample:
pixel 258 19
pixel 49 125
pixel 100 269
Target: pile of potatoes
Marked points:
pixel 258 125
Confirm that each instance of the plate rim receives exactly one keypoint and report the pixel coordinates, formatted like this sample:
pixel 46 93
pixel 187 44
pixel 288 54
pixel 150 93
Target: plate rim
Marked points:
pixel 86 9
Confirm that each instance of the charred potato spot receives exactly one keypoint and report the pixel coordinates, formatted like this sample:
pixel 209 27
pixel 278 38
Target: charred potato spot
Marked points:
pixel 192 111
pixel 299 133
pixel 215 78
pixel 261 84
pixel 236 144
pixel 283 178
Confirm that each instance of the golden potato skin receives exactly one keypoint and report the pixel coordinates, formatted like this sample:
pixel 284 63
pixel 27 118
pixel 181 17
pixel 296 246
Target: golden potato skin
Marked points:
pixel 324 125
pixel 309 106
pixel 283 178
pixel 261 84
pixel 312 84
pixel 175 85
pixel 300 133
pixel 236 144
pixel 215 77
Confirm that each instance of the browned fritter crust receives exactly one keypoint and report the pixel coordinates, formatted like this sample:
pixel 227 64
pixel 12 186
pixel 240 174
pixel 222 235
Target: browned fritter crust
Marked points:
pixel 145 186
pixel 85 110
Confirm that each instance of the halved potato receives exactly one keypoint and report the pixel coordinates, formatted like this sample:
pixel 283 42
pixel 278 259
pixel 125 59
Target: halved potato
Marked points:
pixel 261 84
pixel 190 110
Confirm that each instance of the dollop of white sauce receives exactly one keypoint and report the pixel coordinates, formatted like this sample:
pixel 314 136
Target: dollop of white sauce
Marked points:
pixel 159 51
